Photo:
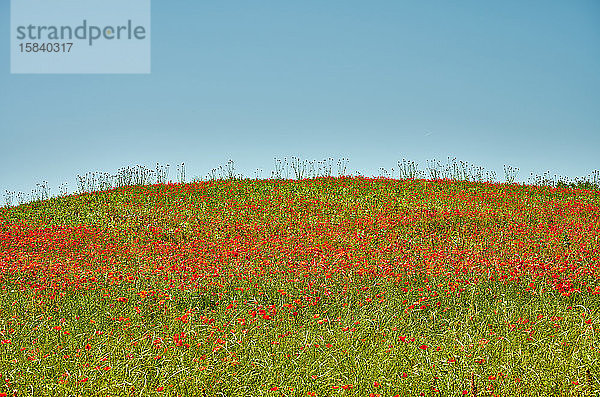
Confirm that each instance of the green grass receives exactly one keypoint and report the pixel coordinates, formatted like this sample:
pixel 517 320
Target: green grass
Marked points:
pixel 331 286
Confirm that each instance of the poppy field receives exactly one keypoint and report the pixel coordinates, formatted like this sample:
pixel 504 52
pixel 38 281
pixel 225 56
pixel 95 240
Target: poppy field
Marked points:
pixel 328 286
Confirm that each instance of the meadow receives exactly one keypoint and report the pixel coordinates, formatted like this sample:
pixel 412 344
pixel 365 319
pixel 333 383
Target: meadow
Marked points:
pixel 321 286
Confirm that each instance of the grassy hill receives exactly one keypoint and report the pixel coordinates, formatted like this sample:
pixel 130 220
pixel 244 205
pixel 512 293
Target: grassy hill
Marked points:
pixel 322 286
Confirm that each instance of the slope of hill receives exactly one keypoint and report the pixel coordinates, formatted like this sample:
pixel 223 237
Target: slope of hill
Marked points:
pixel 345 286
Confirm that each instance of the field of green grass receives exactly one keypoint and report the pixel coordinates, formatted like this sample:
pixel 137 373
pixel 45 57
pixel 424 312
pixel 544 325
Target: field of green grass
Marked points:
pixel 328 286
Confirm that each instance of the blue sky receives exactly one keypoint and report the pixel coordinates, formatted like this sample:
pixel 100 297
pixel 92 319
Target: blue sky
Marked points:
pixel 491 83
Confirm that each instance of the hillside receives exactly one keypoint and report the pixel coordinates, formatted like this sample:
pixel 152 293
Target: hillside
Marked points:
pixel 323 286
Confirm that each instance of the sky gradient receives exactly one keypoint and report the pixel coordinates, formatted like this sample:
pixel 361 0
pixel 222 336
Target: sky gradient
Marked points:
pixel 490 83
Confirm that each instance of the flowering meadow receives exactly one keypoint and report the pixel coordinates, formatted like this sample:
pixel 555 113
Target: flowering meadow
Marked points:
pixel 329 286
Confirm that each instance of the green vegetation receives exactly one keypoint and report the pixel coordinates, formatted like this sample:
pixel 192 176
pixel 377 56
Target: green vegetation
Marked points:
pixel 314 287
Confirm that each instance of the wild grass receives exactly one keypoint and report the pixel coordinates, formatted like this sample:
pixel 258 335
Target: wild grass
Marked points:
pixel 321 286
pixel 297 168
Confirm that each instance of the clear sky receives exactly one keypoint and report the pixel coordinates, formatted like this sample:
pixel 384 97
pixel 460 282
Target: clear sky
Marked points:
pixel 489 82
